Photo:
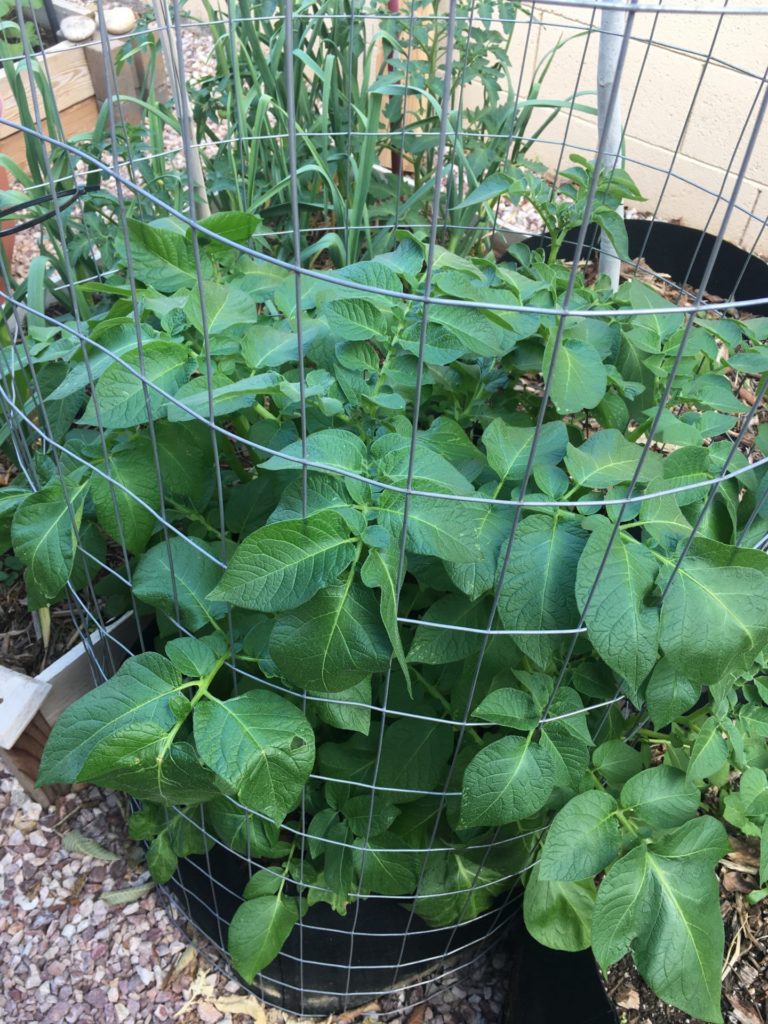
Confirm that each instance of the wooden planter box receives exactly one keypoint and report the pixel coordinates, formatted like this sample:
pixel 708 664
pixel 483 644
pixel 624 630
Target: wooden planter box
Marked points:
pixel 80 84
pixel 30 706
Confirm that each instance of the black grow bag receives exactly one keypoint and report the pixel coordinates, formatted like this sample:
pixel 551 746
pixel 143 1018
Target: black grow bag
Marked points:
pixel 683 253
pixel 312 973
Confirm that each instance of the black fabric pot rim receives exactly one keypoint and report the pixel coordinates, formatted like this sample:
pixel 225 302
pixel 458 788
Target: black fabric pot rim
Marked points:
pixel 332 963
pixel 682 253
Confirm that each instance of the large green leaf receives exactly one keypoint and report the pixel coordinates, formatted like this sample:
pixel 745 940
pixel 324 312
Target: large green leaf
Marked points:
pixel 117 510
pixel 242 831
pixel 284 564
pixel 44 539
pixel 225 396
pixel 161 258
pixel 662 901
pixel 493 527
pixel 116 340
pixel 622 624
pixel 624 896
pixel 661 796
pixel 380 570
pixel 715 614
pixel 340 449
pixel 355 319
pixel 477 332
pixel 506 781
pixel 669 693
pixel 537 592
pixel 11 497
pixel 513 708
pixel 709 752
pixel 443 529
pixel 431 470
pixel 166 773
pixel 258 931
pixel 260 744
pixel 334 641
pixel 559 914
pixel 223 307
pixel 583 838
pixel 268 345
pixel 606 459
pixel 580 378
pixel 509 448
pixel 435 646
pixel 176 578
pixel 454 888
pixel 139 705
pixel 414 756
pixel 385 872
pixel 120 393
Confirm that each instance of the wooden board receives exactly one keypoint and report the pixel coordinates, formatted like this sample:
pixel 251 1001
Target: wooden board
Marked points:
pixel 23 761
pixel 20 700
pixel 80 118
pixel 66 68
pixel 72 675
pixel 29 707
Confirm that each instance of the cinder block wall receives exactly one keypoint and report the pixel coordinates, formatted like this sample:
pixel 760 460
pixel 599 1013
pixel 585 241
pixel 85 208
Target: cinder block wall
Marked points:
pixel 690 90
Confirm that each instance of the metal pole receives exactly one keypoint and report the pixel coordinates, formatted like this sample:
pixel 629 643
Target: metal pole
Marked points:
pixel 612 22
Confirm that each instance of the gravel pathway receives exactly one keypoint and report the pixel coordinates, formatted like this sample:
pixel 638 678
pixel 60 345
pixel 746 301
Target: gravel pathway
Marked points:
pixel 70 953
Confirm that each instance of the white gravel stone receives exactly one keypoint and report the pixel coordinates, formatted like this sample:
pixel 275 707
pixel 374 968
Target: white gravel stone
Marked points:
pixel 76 28
pixel 118 21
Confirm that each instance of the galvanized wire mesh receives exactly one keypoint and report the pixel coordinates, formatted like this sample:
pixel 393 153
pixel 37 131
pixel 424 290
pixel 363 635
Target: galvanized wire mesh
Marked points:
pixel 214 145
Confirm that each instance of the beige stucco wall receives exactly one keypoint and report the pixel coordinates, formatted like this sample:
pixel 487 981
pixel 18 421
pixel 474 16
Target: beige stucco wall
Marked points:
pixel 687 113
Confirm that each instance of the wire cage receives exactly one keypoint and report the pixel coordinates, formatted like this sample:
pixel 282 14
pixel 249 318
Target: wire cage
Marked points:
pixel 299 278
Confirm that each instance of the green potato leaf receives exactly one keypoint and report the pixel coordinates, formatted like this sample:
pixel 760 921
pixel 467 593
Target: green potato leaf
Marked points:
pixel 559 914
pixel 332 642
pixel 537 592
pixel 510 779
pixel 261 745
pixel 583 838
pixel 139 705
pixel 258 930
pixel 284 564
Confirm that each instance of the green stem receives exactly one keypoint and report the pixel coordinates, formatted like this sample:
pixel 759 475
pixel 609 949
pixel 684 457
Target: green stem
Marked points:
pixel 433 691
pixel 628 824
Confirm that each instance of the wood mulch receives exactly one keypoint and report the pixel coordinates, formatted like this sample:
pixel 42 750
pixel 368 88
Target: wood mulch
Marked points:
pixel 745 972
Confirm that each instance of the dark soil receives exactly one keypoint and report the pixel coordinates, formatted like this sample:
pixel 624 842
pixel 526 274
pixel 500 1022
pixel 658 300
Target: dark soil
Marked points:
pixel 745 981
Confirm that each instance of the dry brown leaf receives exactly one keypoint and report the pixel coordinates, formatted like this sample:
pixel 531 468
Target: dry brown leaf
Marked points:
pixel 184 961
pixel 351 1015
pixel 202 988
pixel 744 1014
pixel 417 1017
pixel 248 1005
pixel 744 866
pixel 628 998
pixel 733 881
pixel 75 842
pixel 118 897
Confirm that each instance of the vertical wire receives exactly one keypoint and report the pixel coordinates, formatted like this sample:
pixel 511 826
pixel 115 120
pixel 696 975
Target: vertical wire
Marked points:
pixel 661 407
pixel 403 128
pixel 457 131
pixel 513 134
pixel 430 260
pixel 529 467
pixel 57 212
pixel 683 131
pixel 290 89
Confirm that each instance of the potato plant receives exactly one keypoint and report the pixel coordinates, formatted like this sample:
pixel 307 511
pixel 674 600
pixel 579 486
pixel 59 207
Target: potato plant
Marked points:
pixel 303 535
